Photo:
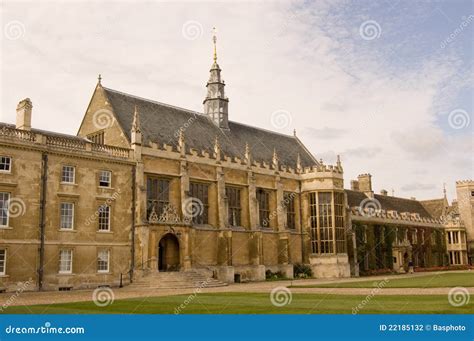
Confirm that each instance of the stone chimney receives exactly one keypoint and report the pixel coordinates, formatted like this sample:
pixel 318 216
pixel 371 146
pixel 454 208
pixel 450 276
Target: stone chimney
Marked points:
pixel 365 184
pixel 354 185
pixel 23 114
pixel 384 192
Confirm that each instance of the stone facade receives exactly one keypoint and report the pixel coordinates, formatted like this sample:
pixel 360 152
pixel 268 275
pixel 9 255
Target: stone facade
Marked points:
pixel 135 192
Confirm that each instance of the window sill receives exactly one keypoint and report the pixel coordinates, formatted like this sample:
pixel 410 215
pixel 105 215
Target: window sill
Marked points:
pixel 5 172
pixel 105 232
pixel 4 276
pixel 103 187
pixel 6 228
pixel 237 228
pixel 68 183
pixel 66 274
pixel 104 272
pixel 67 230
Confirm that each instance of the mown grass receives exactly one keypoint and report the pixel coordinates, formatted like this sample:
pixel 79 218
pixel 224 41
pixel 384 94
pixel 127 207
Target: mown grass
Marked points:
pixel 258 303
pixel 432 280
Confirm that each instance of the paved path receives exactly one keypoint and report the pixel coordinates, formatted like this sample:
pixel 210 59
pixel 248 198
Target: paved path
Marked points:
pixel 51 297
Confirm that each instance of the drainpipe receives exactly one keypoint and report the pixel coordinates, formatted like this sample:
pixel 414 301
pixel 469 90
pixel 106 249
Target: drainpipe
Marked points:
pixel 44 179
pixel 134 200
pixel 301 225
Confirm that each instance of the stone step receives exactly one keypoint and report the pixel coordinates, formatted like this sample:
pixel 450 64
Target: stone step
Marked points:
pixel 176 280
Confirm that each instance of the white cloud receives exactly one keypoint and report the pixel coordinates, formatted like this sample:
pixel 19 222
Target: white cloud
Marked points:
pixel 307 59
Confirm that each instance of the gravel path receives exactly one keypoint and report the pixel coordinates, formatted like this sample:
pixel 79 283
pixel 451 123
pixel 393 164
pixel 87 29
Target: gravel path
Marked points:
pixel 51 297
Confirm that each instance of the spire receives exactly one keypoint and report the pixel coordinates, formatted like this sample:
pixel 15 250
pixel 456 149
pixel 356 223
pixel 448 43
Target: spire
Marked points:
pixel 275 159
pixel 298 164
pixel 99 79
pixel 217 149
pixel 444 190
pixel 181 143
pixel 247 154
pixel 136 133
pixel 338 162
pixel 136 121
pixel 216 103
pixel 214 39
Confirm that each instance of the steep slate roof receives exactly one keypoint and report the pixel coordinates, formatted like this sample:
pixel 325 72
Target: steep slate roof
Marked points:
pixel 161 123
pixel 354 198
pixel 435 207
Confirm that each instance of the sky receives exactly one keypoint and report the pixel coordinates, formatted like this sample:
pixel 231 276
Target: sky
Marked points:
pixel 388 85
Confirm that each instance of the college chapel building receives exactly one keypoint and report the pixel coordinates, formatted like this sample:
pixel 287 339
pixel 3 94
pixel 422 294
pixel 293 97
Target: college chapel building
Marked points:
pixel 147 189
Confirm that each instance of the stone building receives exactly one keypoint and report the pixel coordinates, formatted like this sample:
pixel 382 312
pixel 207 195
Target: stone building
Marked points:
pixel 457 220
pixel 148 188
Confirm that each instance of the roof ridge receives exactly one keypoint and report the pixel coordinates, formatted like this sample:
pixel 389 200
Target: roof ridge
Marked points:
pixel 193 111
pixel 155 102
pixel 267 130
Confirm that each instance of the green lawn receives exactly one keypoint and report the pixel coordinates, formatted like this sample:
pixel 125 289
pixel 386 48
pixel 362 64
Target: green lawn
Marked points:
pixel 257 303
pixel 444 280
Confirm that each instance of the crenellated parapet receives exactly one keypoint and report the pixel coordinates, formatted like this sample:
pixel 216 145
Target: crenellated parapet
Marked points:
pixel 369 214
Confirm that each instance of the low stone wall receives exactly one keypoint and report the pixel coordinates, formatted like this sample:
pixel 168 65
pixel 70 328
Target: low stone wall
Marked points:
pixel 330 266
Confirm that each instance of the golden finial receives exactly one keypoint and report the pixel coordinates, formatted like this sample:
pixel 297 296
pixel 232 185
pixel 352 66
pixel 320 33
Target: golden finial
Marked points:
pixel 214 39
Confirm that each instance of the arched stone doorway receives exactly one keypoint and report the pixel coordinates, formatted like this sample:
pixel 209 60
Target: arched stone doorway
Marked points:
pixel 168 253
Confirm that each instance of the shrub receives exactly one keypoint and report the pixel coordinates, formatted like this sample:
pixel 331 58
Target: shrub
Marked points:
pixel 302 271
pixel 269 275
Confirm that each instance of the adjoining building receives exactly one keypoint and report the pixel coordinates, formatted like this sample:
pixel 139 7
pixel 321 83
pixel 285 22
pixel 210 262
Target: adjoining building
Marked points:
pixel 147 188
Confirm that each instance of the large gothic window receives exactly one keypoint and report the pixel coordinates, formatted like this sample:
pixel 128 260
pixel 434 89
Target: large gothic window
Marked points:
pixel 200 202
pixel 339 221
pixel 158 195
pixel 326 210
pixel 235 209
pixel 289 202
pixel 263 200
